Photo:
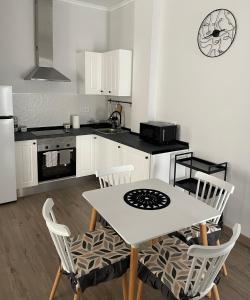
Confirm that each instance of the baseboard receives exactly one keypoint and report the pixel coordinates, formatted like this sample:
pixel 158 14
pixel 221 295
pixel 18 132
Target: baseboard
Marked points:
pixel 242 239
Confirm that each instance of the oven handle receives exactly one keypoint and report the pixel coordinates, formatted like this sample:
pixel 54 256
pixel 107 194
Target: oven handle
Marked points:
pixel 70 150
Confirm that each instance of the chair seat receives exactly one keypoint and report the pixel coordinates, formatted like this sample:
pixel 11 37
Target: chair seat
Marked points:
pixel 191 235
pixel 166 266
pixel 99 256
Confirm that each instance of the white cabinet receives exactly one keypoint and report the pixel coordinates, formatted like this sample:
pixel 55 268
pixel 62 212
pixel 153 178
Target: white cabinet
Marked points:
pixel 108 73
pixel 84 155
pixel 140 160
pixel 106 152
pixel 93 73
pixel 110 154
pixel 26 164
pixel 96 152
pixel 162 166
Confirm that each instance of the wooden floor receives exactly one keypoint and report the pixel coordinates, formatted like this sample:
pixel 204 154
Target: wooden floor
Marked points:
pixel 28 260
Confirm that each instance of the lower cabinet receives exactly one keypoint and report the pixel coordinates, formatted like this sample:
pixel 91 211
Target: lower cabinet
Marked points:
pixel 95 152
pixel 110 154
pixel 162 166
pixel 139 159
pixel 26 164
pixel 106 153
pixel 84 155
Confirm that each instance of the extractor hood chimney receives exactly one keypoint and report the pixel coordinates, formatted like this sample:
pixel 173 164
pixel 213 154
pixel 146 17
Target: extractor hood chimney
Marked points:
pixel 44 44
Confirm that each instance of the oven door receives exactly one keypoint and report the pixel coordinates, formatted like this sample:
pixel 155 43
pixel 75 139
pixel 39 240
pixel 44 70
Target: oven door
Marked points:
pixel 56 164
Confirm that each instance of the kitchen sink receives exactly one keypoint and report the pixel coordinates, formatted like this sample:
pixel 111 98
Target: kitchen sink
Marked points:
pixel 111 130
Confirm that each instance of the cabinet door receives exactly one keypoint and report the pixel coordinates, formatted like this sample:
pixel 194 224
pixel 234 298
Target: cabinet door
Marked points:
pixel 26 164
pixel 110 70
pixel 107 153
pixel 93 73
pixel 140 160
pixel 84 155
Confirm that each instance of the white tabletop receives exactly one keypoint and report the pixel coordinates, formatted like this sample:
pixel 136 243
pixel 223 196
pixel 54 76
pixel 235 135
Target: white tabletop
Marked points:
pixel 136 225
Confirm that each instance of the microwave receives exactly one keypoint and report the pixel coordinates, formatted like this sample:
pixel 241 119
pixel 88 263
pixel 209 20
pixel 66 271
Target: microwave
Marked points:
pixel 158 132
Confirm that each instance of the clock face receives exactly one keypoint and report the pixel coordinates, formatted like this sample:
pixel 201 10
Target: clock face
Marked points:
pixel 217 33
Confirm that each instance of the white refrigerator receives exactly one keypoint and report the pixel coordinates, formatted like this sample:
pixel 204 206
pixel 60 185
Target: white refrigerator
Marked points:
pixel 7 147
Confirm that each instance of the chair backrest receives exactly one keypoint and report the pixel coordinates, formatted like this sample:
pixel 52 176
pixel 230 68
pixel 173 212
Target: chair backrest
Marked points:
pixel 115 176
pixel 206 265
pixel 59 234
pixel 213 191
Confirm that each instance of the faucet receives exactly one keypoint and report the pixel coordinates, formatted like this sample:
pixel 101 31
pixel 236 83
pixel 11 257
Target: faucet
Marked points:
pixel 115 119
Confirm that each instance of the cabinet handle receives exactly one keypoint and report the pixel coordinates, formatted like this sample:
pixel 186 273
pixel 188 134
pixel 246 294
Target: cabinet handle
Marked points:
pixel 34 143
pixel 109 92
pixel 95 137
pixel 119 147
pixel 146 157
pixel 101 91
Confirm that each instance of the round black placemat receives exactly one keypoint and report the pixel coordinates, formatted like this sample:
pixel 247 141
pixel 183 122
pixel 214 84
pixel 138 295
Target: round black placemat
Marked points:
pixel 146 199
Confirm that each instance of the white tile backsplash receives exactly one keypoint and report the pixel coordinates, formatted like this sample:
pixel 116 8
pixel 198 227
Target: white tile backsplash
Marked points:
pixel 38 110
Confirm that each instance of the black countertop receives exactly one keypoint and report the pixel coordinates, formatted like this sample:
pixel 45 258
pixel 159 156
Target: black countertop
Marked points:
pixel 129 139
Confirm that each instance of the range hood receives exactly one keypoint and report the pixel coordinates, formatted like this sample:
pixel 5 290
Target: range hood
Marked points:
pixel 44 44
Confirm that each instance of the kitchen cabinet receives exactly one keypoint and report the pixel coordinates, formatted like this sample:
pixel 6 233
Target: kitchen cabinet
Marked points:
pixel 162 166
pixel 84 155
pixel 139 159
pixel 106 153
pixel 109 154
pixel 108 73
pixel 26 164
pixel 93 73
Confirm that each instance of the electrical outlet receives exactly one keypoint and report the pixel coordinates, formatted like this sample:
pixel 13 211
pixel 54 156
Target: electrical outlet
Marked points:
pixel 85 109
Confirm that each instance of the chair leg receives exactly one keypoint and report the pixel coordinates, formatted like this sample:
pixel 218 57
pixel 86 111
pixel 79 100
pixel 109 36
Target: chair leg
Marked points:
pixel 55 284
pixel 215 293
pixel 125 286
pixel 77 295
pixel 224 268
pixel 139 290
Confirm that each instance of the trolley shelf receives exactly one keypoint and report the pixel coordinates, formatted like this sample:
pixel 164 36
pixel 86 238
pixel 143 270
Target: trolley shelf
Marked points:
pixel 196 164
pixel 190 185
pixel 202 165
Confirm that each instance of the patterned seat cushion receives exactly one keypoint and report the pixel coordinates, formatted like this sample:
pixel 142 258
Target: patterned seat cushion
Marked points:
pixel 166 266
pixel 99 256
pixel 191 235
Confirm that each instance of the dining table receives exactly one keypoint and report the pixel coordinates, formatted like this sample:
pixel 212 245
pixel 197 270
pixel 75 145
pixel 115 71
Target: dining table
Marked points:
pixel 146 210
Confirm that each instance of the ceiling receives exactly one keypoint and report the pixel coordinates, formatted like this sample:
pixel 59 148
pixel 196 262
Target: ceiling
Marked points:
pixel 106 3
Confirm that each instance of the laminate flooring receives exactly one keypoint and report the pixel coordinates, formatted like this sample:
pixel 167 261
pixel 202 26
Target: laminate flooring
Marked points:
pixel 29 262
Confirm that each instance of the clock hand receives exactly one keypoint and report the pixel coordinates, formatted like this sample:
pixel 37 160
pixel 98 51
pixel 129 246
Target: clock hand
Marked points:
pixel 215 33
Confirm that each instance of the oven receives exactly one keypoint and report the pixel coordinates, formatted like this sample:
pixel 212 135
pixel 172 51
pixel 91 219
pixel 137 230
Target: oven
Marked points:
pixel 56 158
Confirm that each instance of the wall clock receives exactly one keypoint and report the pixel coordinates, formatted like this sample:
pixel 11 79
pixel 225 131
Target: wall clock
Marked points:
pixel 217 33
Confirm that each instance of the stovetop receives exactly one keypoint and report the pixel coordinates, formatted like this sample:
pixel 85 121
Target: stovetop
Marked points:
pixel 48 132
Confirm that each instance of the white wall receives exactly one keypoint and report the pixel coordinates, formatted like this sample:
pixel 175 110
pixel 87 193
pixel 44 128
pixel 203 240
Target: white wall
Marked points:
pixel 76 28
pixel 121 36
pixel 209 98
pixel 144 11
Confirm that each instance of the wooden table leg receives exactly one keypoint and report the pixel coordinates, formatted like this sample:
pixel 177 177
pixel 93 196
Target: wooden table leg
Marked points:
pixel 93 218
pixel 203 234
pixel 133 272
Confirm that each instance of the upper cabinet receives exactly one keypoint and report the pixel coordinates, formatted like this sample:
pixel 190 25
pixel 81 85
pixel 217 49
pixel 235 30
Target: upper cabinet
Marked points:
pixel 93 73
pixel 108 73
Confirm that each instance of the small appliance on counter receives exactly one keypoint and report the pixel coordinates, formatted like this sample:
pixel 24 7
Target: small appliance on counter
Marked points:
pixel 160 133
pixel 75 120
pixel 66 127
